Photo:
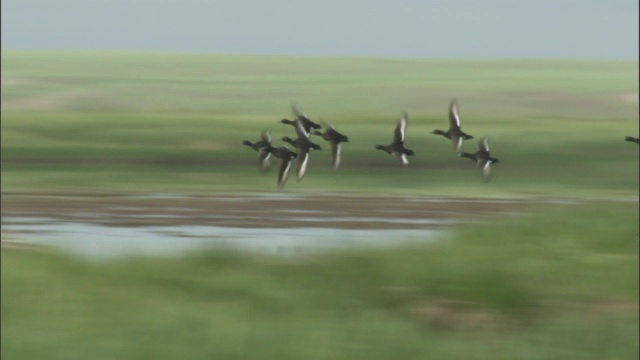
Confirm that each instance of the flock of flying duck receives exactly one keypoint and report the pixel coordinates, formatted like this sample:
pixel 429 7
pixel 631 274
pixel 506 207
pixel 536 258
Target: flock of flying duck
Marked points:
pixel 304 127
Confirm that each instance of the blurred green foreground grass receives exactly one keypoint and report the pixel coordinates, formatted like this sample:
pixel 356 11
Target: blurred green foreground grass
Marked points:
pixel 561 283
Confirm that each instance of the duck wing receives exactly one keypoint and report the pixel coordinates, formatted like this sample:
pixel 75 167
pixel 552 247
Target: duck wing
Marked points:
pixel 327 125
pixel 483 145
pixel 265 137
pixel 402 157
pixel 335 154
pixel 454 118
pixel 283 173
pixel 301 130
pixel 263 158
pixel 456 140
pixel 303 160
pixel 486 169
pixel 297 112
pixel 306 122
pixel 399 132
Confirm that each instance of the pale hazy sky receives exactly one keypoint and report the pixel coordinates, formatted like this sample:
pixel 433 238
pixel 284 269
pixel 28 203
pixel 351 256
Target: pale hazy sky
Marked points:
pixel 481 29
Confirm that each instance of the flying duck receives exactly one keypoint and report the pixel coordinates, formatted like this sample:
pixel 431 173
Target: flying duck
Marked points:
pixel 632 139
pixel 454 133
pixel 262 147
pixel 335 138
pixel 302 118
pixel 482 158
pixel 396 148
pixel 286 156
pixel 303 145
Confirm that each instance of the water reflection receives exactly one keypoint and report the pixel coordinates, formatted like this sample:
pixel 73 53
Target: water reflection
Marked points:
pixel 99 241
pixel 112 225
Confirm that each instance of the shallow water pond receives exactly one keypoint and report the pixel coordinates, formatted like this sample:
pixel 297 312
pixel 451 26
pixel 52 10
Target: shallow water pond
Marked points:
pixel 113 225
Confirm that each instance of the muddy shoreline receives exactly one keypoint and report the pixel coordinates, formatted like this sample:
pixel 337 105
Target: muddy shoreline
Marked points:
pixel 274 210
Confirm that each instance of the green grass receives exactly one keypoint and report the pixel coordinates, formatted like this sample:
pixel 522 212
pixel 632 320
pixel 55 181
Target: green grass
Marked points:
pixel 562 283
pixel 202 153
pixel 163 110
pixel 140 121
pixel 558 283
pixel 219 84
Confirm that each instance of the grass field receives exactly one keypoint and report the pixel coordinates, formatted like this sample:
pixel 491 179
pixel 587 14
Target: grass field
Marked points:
pixel 560 282
pixel 201 153
pixel 173 123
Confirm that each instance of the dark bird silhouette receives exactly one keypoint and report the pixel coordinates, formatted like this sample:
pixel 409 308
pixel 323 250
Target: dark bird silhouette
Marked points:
pixel 455 133
pixel 482 158
pixel 302 118
pixel 262 146
pixel 632 139
pixel 303 146
pixel 286 156
pixel 396 148
pixel 335 138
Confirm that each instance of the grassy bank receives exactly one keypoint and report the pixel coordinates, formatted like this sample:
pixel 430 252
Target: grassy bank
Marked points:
pixel 562 283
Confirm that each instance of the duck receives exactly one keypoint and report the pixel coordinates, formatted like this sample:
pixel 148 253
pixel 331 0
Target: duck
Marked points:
pixel 632 139
pixel 262 147
pixel 482 157
pixel 335 138
pixel 396 148
pixel 303 146
pixel 302 118
pixel 286 156
pixel 455 133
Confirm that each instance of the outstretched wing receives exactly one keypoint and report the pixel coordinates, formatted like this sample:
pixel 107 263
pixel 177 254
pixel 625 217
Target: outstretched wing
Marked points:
pixel 398 134
pixel 402 157
pixel 335 154
pixel 457 142
pixel 297 112
pixel 265 135
pixel 454 118
pixel 327 125
pixel 303 160
pixel 483 145
pixel 283 174
pixel 300 130
pixel 263 158
pixel 486 169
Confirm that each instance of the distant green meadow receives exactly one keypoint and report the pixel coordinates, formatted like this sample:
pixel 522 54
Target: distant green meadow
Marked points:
pixel 266 85
pixel 102 121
